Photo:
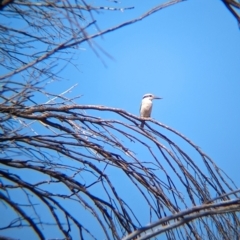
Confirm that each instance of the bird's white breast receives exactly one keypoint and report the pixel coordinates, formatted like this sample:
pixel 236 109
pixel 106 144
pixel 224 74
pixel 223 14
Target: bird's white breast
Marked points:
pixel 146 108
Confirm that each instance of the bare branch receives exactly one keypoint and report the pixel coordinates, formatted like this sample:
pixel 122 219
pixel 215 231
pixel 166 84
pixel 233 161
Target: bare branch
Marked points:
pixel 185 216
pixel 82 163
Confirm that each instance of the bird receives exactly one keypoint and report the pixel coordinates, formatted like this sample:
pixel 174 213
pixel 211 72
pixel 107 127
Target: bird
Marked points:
pixel 146 106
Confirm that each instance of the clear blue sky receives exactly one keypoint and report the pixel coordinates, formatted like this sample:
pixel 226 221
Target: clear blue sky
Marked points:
pixel 189 54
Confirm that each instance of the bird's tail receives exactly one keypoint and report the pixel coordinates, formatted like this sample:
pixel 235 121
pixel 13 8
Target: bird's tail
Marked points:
pixel 142 124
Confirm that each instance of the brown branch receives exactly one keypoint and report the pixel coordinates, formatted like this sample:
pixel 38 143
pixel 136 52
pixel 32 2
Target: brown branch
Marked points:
pixel 4 3
pixel 176 220
pixel 230 4
pixel 23 214
pixel 96 140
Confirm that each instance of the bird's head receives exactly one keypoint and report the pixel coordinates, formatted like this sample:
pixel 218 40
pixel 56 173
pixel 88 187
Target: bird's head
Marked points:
pixel 150 96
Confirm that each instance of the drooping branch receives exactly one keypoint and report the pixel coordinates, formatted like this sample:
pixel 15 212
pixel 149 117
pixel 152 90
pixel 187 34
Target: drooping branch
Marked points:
pixel 81 164
pixel 185 216
pixel 73 152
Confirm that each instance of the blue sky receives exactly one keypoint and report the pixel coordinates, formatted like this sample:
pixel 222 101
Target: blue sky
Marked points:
pixel 188 54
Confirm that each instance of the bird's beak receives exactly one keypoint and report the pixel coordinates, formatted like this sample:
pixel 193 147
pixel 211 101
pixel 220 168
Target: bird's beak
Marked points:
pixel 155 97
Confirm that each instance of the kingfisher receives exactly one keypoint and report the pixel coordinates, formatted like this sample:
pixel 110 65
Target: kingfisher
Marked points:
pixel 146 106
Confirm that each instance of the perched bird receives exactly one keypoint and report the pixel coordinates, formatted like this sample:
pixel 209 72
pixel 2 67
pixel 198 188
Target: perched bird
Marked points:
pixel 146 106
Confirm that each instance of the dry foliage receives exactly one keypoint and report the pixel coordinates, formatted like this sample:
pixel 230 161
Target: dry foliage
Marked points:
pixel 72 170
